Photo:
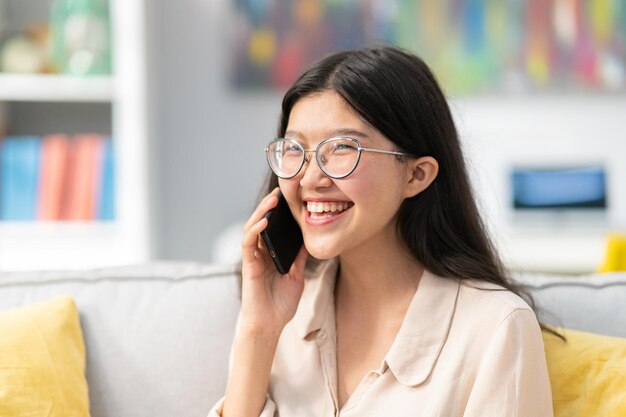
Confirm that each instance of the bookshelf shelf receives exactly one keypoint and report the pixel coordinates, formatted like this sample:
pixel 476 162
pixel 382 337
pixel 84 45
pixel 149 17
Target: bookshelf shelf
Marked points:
pixel 55 88
pixel 71 245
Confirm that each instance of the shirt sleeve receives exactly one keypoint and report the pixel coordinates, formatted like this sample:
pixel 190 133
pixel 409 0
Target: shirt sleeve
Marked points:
pixel 269 410
pixel 512 379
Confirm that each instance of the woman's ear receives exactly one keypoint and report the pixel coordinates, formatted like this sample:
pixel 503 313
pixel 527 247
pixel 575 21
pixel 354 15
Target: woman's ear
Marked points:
pixel 421 173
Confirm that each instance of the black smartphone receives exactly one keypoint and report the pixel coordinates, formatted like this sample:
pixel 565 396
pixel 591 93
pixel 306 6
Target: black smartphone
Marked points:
pixel 282 236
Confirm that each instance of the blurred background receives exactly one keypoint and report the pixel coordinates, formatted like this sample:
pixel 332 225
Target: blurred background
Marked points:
pixel 133 130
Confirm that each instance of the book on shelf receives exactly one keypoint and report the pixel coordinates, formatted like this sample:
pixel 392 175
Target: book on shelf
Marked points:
pixel 57 177
pixel 54 156
pixel 106 201
pixel 19 168
pixel 85 168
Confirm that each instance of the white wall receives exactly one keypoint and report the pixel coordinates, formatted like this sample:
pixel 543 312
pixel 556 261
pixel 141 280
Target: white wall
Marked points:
pixel 546 131
pixel 208 163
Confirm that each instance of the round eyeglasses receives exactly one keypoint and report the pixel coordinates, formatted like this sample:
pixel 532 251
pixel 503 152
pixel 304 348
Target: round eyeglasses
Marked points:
pixel 337 157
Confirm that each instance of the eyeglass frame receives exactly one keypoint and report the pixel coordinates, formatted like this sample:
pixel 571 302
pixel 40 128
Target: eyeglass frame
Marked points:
pixel 306 159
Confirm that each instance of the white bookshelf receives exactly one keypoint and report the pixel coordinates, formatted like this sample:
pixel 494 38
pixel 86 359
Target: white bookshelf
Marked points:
pixel 55 88
pixel 78 245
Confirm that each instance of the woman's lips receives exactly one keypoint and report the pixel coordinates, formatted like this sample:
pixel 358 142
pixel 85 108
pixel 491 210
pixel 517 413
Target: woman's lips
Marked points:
pixel 320 213
pixel 327 206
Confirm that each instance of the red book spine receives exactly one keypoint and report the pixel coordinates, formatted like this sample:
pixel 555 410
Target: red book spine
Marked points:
pixel 84 177
pixel 54 153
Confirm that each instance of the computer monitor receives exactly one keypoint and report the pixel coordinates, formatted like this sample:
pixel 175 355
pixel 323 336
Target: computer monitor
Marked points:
pixel 559 188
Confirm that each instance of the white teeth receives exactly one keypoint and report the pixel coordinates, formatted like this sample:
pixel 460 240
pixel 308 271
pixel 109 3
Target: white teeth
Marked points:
pixel 332 206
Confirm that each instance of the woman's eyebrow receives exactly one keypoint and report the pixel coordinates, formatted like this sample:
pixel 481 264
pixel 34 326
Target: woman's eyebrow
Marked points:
pixel 349 132
pixel 331 133
pixel 290 133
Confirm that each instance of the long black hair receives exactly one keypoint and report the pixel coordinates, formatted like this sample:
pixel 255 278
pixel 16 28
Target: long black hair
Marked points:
pixel 396 93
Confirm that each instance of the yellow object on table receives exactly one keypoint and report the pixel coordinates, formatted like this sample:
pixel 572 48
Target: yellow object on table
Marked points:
pixel 615 258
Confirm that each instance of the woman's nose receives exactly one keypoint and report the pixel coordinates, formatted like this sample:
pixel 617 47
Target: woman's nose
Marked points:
pixel 313 176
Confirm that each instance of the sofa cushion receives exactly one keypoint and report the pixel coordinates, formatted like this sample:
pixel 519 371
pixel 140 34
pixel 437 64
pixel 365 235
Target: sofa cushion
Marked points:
pixel 587 374
pixel 42 361
pixel 157 336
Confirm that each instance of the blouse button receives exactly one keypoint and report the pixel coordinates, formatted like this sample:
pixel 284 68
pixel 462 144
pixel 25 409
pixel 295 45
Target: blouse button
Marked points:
pixel 321 335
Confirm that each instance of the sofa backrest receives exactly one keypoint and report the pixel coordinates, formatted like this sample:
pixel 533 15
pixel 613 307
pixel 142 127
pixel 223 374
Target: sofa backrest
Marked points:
pixel 157 336
pixel 594 303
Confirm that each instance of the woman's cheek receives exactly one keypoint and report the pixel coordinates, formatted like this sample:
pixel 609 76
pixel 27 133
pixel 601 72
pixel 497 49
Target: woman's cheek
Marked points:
pixel 289 189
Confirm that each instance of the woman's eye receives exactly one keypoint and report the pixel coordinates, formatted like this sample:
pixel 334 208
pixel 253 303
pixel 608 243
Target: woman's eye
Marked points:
pixel 345 147
pixel 292 150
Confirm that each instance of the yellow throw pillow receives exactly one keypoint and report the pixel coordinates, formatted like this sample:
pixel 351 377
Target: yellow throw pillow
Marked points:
pixel 587 373
pixel 42 361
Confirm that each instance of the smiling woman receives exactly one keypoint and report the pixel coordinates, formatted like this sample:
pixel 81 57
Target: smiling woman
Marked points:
pixel 397 303
pixel 373 184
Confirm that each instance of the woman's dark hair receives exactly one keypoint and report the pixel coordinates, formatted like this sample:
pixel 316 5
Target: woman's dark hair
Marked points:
pixel 396 93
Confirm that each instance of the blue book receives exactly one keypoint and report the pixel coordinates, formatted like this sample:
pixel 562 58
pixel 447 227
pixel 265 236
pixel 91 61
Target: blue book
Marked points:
pixel 106 199
pixel 19 175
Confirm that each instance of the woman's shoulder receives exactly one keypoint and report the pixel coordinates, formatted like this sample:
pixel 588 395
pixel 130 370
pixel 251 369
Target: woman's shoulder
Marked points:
pixel 490 299
pixel 486 312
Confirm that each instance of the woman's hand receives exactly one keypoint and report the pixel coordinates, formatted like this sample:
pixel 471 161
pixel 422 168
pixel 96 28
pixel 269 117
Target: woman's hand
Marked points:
pixel 269 300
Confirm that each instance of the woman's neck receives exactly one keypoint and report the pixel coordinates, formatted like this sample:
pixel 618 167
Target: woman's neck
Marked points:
pixel 378 276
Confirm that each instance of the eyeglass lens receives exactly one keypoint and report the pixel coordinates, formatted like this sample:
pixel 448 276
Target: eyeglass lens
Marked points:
pixel 336 157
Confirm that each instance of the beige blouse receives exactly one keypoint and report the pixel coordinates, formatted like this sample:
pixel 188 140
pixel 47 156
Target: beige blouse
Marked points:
pixel 465 348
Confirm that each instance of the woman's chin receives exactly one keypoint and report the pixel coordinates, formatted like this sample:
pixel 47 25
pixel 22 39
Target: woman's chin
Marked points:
pixel 321 254
pixel 321 250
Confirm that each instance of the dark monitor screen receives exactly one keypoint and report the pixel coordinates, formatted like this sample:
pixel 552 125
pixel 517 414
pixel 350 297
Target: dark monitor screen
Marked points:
pixel 559 188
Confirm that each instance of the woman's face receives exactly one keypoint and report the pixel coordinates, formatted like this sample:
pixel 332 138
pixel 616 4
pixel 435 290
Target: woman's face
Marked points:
pixel 345 215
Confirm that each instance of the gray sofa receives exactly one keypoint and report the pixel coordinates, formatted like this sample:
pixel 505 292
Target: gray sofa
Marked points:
pixel 158 335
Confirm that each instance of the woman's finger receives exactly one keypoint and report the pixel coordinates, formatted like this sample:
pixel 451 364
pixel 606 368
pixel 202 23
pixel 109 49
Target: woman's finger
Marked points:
pixel 261 244
pixel 267 203
pixel 250 241
pixel 259 212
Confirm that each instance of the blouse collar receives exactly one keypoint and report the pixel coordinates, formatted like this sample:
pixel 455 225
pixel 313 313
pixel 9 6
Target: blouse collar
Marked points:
pixel 423 332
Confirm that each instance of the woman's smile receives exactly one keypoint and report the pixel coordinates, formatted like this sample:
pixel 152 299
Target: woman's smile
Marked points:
pixel 319 213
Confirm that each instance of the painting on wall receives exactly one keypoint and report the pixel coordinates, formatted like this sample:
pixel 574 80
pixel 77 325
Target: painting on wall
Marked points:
pixel 473 46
